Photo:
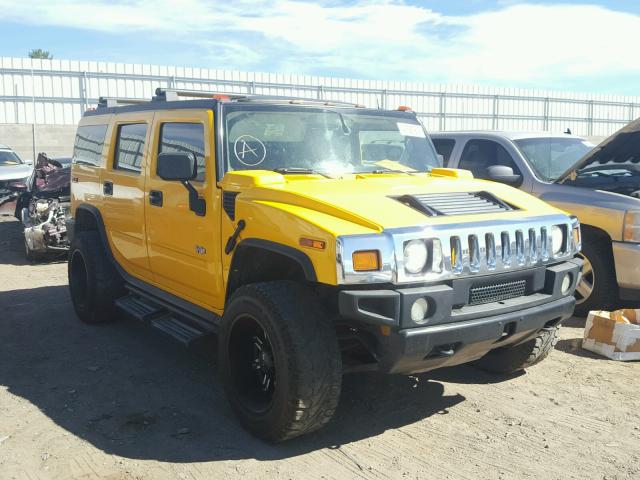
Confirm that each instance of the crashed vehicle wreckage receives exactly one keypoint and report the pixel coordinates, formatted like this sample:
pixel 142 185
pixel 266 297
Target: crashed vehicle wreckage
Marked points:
pixel 43 206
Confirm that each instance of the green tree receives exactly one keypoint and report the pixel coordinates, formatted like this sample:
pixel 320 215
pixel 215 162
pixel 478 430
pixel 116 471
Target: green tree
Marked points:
pixel 39 53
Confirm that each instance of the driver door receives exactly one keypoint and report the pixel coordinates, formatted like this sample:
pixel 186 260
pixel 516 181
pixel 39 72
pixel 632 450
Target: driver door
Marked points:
pixel 184 248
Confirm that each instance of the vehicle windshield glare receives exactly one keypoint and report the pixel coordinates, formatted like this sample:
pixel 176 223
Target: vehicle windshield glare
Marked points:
pixel 551 157
pixel 9 158
pixel 326 141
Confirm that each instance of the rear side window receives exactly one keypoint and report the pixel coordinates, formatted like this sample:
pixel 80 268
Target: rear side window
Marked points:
pixel 444 147
pixel 130 147
pixel 479 155
pixel 184 138
pixel 87 148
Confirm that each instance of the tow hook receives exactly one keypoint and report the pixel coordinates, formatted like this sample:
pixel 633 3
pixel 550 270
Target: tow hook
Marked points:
pixel 231 243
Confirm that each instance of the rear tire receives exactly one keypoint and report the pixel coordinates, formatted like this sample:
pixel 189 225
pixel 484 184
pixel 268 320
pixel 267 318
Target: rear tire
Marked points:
pixel 525 355
pixel 93 281
pixel 279 360
pixel 598 286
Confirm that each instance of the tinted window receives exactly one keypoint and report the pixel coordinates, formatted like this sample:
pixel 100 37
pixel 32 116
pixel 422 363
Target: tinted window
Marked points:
pixel 478 155
pixel 87 148
pixel 7 157
pixel 130 147
pixel 187 138
pixel 444 147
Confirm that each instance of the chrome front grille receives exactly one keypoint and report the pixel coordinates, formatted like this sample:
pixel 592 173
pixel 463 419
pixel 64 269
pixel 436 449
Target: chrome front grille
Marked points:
pixel 505 250
pixel 497 292
pixel 467 249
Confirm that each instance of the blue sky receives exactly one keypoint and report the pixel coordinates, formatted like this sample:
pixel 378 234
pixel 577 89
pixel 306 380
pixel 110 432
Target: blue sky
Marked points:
pixel 576 45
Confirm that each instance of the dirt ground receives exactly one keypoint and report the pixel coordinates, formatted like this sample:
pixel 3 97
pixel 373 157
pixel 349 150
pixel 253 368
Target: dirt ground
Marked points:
pixel 124 402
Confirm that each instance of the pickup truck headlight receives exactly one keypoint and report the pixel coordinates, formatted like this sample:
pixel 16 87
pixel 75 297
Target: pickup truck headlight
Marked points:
pixel 416 255
pixel 576 234
pixel 631 231
pixel 557 239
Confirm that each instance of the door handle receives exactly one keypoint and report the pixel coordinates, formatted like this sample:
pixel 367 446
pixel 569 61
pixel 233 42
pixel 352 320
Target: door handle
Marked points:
pixel 107 188
pixel 155 198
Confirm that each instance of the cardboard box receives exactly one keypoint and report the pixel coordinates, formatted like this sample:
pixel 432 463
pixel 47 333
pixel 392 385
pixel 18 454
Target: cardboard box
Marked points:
pixel 615 335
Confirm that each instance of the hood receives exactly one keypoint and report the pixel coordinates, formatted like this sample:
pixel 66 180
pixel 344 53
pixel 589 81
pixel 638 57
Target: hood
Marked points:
pixel 15 172
pixel 623 147
pixel 383 201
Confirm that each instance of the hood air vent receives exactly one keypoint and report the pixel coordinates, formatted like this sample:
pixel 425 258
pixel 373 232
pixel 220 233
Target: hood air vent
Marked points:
pixel 229 204
pixel 456 203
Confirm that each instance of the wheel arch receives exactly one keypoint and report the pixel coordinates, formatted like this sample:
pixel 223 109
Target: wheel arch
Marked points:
pixel 256 260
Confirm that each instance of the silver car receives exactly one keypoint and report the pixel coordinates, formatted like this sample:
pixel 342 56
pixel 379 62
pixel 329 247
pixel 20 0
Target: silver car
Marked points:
pixel 12 170
pixel 550 167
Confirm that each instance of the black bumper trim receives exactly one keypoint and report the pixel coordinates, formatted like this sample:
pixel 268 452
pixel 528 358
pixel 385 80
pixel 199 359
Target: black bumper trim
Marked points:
pixel 427 348
pixel 392 306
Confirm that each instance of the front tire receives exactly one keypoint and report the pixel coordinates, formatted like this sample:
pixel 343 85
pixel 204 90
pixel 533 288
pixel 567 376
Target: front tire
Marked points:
pixel 93 281
pixel 598 286
pixel 513 359
pixel 279 360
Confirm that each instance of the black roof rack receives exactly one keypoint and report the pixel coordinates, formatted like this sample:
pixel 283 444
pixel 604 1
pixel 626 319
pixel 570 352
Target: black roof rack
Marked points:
pixel 174 95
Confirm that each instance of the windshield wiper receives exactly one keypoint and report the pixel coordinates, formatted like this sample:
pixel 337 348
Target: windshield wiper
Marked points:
pixel 391 170
pixel 299 171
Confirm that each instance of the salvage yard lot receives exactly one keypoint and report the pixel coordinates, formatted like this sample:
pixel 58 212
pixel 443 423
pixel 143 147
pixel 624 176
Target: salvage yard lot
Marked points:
pixel 121 401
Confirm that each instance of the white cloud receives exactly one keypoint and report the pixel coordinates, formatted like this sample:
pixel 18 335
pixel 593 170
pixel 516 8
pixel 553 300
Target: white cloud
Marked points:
pixel 524 43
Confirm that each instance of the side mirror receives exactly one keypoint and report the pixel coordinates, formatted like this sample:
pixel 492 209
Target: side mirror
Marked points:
pixel 29 161
pixel 182 167
pixel 504 174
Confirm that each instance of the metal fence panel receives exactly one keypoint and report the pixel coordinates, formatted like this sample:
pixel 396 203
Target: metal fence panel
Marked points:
pixel 58 91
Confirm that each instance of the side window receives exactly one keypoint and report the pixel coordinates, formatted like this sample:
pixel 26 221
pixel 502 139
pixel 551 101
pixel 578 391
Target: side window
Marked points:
pixel 130 147
pixel 478 155
pixel 87 148
pixel 444 147
pixel 184 137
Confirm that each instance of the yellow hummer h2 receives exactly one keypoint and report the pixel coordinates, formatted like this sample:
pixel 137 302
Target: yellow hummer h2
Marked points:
pixel 314 238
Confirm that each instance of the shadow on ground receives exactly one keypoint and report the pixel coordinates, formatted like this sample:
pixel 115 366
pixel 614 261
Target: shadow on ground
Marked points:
pixel 131 392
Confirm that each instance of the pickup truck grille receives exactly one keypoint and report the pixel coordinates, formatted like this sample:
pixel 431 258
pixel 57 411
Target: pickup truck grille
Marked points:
pixel 455 203
pixel 497 292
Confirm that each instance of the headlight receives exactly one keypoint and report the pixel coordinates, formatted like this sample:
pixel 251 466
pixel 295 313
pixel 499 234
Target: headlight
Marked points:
pixel 557 239
pixel 631 231
pixel 576 234
pixel 415 256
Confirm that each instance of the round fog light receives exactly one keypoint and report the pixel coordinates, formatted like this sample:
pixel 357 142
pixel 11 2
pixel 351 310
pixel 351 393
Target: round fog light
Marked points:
pixel 419 310
pixel 566 284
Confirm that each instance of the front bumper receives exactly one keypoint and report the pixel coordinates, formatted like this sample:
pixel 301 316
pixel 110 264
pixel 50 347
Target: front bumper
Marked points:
pixel 455 333
pixel 627 260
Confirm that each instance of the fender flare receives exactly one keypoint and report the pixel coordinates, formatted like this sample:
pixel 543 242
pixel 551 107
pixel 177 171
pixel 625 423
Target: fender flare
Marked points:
pixel 300 258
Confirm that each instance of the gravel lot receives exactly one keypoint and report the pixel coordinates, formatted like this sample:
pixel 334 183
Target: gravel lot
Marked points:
pixel 124 402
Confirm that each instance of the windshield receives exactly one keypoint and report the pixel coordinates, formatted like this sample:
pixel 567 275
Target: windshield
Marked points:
pixel 8 157
pixel 551 157
pixel 331 142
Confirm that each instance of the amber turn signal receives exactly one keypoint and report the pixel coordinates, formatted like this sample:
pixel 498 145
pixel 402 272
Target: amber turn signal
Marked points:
pixel 309 242
pixel 366 260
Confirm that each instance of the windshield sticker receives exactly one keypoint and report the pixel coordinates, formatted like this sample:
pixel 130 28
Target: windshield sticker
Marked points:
pixel 273 130
pixel 410 130
pixel 249 150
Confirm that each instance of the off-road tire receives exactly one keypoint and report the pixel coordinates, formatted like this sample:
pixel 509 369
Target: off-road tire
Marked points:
pixel 94 283
pixel 605 286
pixel 513 359
pixel 305 354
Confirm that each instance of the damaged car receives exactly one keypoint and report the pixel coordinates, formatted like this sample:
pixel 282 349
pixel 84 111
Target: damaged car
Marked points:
pixel 43 207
